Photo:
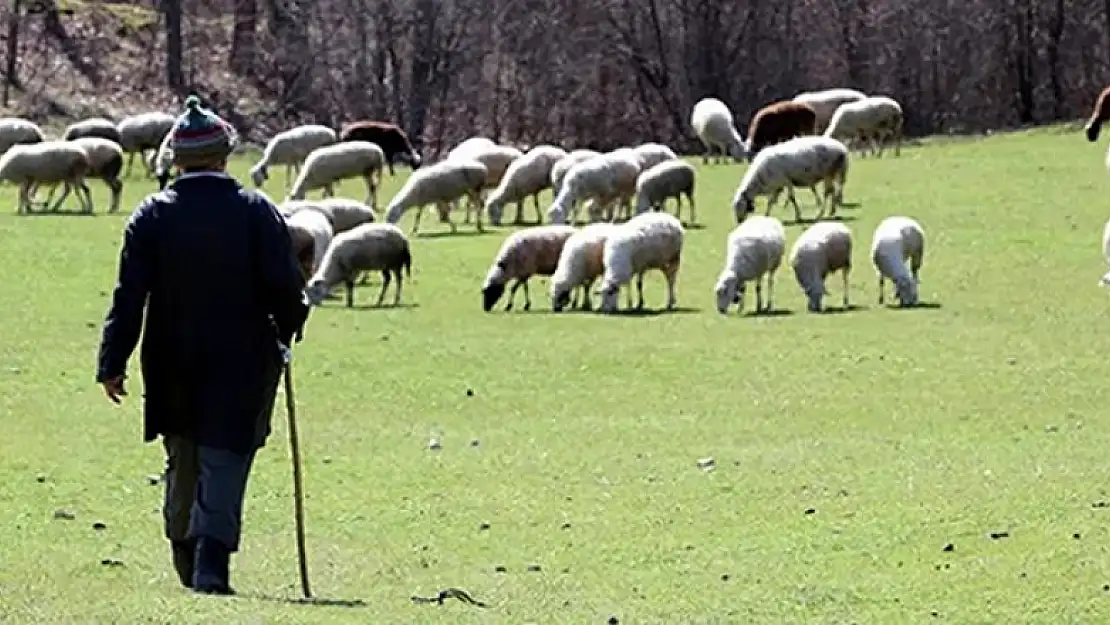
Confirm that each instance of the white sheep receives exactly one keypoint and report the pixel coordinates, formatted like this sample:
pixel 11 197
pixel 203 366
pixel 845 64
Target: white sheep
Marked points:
pixel 369 247
pixel 580 264
pixel 801 161
pixel 47 163
pixel 560 169
pixel 715 127
pixel 92 127
pixel 161 160
pixel 826 101
pixel 668 179
pixel 142 132
pixel 526 176
pixel 318 228
pixel 466 148
pixel 824 248
pixel 497 159
pixel 651 154
pixel 645 242
pixel 291 148
pixel 441 184
pixel 105 163
pixel 342 213
pixel 525 253
pixel 870 122
pixel 18 131
pixel 327 165
pixel 896 240
pixel 603 181
pixel 754 250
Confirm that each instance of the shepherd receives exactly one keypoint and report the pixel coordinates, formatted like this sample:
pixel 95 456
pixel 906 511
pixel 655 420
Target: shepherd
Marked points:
pixel 211 264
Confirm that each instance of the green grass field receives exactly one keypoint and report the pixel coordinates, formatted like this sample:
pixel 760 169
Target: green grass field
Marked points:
pixel 850 449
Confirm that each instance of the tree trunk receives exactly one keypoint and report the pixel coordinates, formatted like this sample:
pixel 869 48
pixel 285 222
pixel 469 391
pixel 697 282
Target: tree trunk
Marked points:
pixel 243 48
pixel 175 77
pixel 10 77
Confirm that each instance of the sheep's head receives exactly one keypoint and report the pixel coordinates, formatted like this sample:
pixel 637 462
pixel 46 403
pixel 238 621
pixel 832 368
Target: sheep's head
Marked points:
pixel 259 174
pixel 609 298
pixel 906 292
pixel 729 291
pixel 1093 127
pixel 494 287
pixel 316 292
pixel 496 209
pixel 560 298
pixel 556 214
pixel 743 205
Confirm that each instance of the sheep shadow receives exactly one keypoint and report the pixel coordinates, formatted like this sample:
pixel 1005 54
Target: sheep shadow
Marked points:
pixel 851 308
pixel 57 213
pixel 694 226
pixel 918 306
pixel 442 234
pixel 850 205
pixel 375 307
pixel 315 601
pixel 774 312
pixel 651 312
pixel 809 222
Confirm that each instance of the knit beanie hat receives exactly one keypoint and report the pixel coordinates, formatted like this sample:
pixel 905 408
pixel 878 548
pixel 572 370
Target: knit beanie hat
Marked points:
pixel 200 137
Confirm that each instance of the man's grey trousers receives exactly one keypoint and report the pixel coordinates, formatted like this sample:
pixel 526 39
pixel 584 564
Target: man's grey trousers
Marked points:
pixel 205 488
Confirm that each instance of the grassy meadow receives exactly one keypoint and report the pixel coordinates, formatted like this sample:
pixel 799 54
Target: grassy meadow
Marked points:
pixel 946 464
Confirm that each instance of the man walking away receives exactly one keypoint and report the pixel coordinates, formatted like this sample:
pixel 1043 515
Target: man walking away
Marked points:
pixel 212 263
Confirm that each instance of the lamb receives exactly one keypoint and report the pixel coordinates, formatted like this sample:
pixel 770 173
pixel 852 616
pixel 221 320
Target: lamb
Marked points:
pixel 92 127
pixel 525 253
pixel 668 179
pixel 603 180
pixel 826 101
pixel 713 123
pixel 896 240
pixel 824 248
pixel 580 264
pixel 369 247
pixel 755 249
pixel 18 131
pixel 342 213
pixel 560 169
pixel 142 132
pixel 291 148
pixel 526 176
pixel 645 242
pixel 441 184
pixel 312 234
pixel 389 137
pixel 327 165
pixel 651 154
pixel 1099 114
pixel 802 161
pixel 874 119
pixel 48 162
pixel 778 122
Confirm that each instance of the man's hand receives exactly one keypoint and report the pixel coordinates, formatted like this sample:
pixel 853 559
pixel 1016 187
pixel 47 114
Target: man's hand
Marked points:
pixel 113 388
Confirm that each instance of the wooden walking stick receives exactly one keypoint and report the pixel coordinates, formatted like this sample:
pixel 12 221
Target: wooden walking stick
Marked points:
pixel 298 487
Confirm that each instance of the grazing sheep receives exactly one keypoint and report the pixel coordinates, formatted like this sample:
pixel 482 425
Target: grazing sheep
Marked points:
pixel 106 163
pixel 390 138
pixel 896 240
pixel 18 131
pixel 327 165
pixel 645 242
pixel 580 264
pixel 715 127
pixel 874 119
pixel 441 184
pixel 651 154
pixel 497 159
pixel 525 253
pixel 92 127
pixel 48 162
pixel 603 181
pixel 780 122
pixel 755 249
pixel 161 161
pixel 526 176
pixel 803 161
pixel 342 213
pixel 142 132
pixel 668 179
pixel 369 247
pixel 560 169
pixel 826 101
pixel 1099 114
pixel 290 148
pixel 824 248
pixel 468 147
pixel 314 227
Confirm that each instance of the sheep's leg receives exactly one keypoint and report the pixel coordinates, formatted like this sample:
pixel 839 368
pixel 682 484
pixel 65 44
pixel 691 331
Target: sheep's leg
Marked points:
pixel 759 294
pixel 130 160
pixel 770 290
pixel 386 277
pixel 117 189
pixel 539 213
pixel 774 197
pixel 587 303
pixel 350 286
pixel 882 294
pixel 816 197
pixel 512 295
pixel 416 220
pixel 639 292
pixel 400 283
pixel 83 187
pixel 65 193
pixel 478 213
pixel 845 271
pixel 671 274
pixel 693 208
pixel 519 212
pixel 445 215
pixel 527 295
pixel 24 205
pixel 797 209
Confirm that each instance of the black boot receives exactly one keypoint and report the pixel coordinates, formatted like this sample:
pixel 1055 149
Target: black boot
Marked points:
pixel 212 575
pixel 184 555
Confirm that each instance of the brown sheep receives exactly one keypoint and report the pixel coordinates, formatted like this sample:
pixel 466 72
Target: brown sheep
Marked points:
pixel 780 122
pixel 390 138
pixel 1100 114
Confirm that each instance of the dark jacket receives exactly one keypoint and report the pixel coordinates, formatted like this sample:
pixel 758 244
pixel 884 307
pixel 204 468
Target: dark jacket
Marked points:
pixel 213 265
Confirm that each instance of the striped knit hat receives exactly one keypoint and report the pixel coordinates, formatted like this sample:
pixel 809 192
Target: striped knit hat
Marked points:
pixel 200 137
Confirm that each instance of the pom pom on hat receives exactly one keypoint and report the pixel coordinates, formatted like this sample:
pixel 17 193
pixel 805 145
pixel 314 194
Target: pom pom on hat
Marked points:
pixel 200 137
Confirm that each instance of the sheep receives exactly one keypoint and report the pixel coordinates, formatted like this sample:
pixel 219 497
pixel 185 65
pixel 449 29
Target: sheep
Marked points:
pixel 802 161
pixel 713 123
pixel 668 179
pixel 560 169
pixel 468 147
pixel 525 253
pixel 826 101
pixel 310 228
pixel 327 165
pixel 48 162
pixel 291 148
pixel 369 247
pixel 18 131
pixel 824 248
pixel 92 127
pixel 648 241
pixel 778 122
pixel 874 118
pixel 651 154
pixel 440 184
pixel 604 180
pixel 896 240
pixel 389 137
pixel 142 132
pixel 526 176
pixel 161 161
pixel 1099 114
pixel 342 213
pixel 106 163
pixel 497 159
pixel 580 264
pixel 754 250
